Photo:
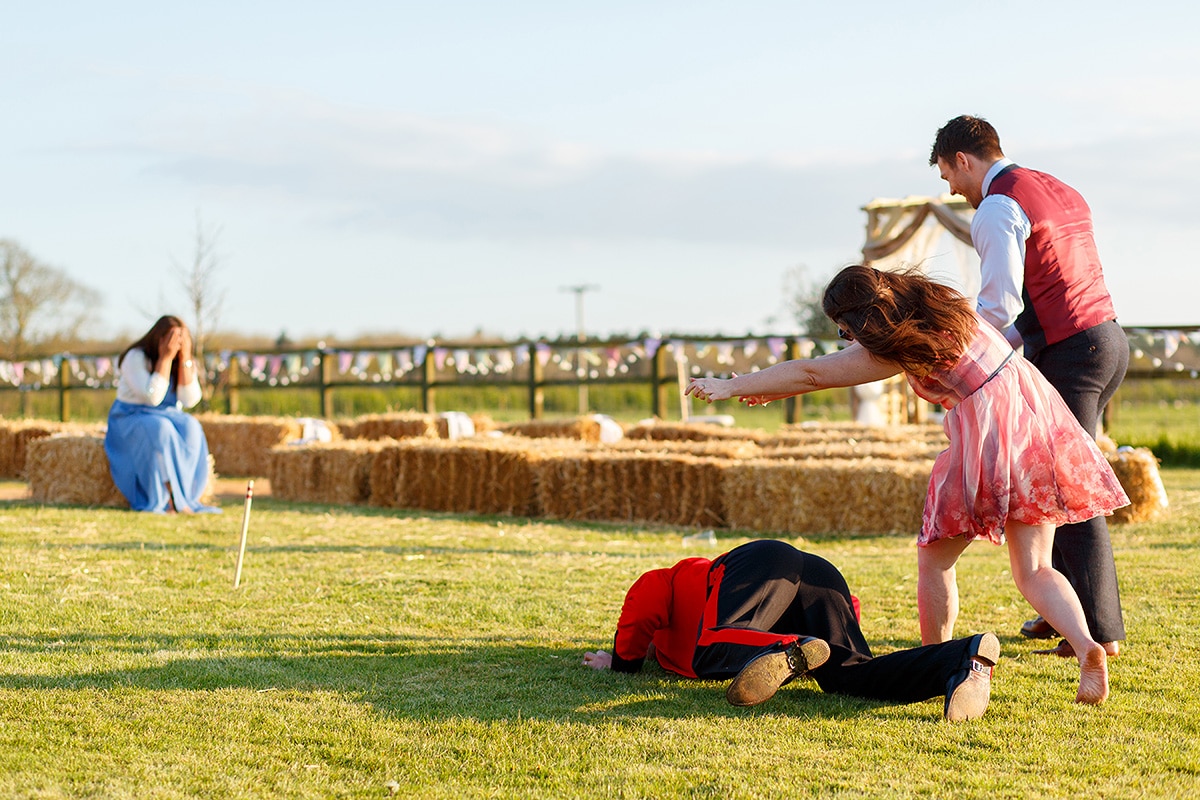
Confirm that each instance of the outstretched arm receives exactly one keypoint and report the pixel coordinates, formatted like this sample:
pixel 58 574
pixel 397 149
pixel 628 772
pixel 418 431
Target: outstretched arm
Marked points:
pixel 848 367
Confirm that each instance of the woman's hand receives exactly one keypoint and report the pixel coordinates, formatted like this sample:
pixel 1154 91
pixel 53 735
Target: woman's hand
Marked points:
pixel 170 344
pixel 598 660
pixel 710 389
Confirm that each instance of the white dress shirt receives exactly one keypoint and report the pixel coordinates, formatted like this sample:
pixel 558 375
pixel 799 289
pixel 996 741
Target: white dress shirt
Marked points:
pixel 139 384
pixel 999 230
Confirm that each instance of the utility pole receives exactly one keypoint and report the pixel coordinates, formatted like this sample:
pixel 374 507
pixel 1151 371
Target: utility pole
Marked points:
pixel 581 371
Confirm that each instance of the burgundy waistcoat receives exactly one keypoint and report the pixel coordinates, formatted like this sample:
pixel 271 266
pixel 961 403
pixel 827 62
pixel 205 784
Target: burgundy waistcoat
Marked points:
pixel 1064 283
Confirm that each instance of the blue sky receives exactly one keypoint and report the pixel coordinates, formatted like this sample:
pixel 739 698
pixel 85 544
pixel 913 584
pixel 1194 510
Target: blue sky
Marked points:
pixel 432 169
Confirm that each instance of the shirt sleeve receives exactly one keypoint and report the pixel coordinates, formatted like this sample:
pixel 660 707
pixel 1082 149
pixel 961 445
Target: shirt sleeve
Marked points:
pixel 190 394
pixel 138 384
pixel 647 609
pixel 999 230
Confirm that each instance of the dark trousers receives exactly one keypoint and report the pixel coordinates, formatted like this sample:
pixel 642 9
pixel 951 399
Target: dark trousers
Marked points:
pixel 1086 369
pixel 770 586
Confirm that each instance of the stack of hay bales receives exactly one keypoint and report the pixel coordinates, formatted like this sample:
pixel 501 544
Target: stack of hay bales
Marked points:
pixel 584 429
pixel 399 425
pixel 242 445
pixel 72 469
pixel 860 495
pixel 338 472
pixel 16 435
pixel 854 449
pixel 697 431
pixel 475 476
pixel 632 486
pixel 847 432
pixel 1137 470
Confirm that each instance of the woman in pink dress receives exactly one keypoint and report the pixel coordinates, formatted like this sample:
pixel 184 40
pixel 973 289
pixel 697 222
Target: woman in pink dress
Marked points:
pixel 1018 464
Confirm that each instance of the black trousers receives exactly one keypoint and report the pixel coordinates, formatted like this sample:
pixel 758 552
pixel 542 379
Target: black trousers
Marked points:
pixel 770 586
pixel 1086 369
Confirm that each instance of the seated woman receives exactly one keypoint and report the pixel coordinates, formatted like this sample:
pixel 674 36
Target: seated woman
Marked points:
pixel 157 454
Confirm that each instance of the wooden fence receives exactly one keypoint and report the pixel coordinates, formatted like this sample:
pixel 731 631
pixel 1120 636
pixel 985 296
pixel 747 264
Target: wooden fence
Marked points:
pixel 660 364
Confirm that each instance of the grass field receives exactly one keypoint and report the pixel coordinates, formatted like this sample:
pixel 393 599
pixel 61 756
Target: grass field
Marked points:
pixel 370 654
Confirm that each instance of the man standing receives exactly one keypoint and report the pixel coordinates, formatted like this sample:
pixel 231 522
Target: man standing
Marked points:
pixel 1043 287
pixel 766 613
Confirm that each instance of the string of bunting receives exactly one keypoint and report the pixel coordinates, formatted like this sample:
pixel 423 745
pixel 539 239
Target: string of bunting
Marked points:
pixel 1155 350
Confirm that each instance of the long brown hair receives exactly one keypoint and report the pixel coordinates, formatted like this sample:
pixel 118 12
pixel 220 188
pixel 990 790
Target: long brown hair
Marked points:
pixel 148 344
pixel 903 316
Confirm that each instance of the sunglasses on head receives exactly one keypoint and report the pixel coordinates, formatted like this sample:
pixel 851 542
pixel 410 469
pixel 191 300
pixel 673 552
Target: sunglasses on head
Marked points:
pixel 846 335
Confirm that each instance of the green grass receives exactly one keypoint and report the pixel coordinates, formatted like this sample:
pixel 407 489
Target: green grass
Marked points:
pixel 436 656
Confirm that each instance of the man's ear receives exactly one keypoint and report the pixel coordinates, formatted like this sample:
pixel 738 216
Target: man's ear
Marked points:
pixel 962 162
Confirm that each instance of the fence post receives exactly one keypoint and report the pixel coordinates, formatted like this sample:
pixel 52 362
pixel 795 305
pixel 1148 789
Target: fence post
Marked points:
pixel 64 390
pixel 537 375
pixel 428 381
pixel 231 386
pixel 658 390
pixel 324 379
pixel 791 405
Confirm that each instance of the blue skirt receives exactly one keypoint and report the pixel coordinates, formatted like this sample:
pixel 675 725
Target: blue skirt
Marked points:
pixel 158 457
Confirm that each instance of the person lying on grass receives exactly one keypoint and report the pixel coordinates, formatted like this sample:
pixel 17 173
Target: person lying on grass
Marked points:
pixel 1018 464
pixel 766 613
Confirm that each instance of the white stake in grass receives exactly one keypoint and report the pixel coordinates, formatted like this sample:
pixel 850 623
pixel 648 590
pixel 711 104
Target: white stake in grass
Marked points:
pixel 237 576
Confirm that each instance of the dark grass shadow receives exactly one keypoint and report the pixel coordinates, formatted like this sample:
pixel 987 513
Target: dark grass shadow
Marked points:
pixel 412 678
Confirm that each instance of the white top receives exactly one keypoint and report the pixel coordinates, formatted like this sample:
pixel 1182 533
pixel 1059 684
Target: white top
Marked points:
pixel 139 384
pixel 999 230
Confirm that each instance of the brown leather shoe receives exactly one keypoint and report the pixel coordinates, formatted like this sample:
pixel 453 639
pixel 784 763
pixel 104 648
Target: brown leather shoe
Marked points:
pixel 761 678
pixel 970 688
pixel 1038 628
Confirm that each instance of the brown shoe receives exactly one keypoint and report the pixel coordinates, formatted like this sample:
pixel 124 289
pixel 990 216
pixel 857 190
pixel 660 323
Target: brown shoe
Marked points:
pixel 762 676
pixel 970 689
pixel 1038 628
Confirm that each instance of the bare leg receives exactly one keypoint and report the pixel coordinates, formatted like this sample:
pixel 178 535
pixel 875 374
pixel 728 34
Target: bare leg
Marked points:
pixel 1047 590
pixel 937 588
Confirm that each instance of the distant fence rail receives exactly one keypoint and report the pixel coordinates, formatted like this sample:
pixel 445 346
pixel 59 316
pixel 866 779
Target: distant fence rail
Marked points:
pixel 661 364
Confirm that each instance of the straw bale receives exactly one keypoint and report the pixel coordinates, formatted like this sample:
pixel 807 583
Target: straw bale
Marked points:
pixel 586 428
pixel 324 472
pixel 72 469
pixel 1137 470
pixel 715 448
pixel 900 451
pixel 242 445
pixel 632 486
pixel 696 431
pixel 395 425
pixel 862 495
pixel 812 432
pixel 16 434
pixel 476 476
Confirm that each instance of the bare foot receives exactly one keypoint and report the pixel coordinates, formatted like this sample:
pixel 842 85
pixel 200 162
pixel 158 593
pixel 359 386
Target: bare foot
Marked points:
pixel 1093 677
pixel 1064 650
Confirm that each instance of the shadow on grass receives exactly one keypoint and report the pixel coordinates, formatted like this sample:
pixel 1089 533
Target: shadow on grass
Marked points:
pixel 407 677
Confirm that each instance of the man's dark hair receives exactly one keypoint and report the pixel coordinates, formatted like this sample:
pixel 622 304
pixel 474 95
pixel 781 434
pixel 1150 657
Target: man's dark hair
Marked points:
pixel 974 136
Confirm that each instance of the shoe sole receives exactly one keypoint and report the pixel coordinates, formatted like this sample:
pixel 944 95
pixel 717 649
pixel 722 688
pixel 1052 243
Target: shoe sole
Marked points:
pixel 969 700
pixel 761 678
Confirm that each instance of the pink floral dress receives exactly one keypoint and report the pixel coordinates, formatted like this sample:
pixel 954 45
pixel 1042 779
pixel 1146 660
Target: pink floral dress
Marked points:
pixel 1015 450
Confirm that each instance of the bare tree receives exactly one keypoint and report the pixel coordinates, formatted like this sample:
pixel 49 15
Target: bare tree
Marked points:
pixel 41 307
pixel 199 281
pixel 802 294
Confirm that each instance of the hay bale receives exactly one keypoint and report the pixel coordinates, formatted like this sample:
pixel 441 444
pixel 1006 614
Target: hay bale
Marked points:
pixel 338 473
pixel 899 451
pixel 396 425
pixel 72 469
pixel 473 476
pixel 862 495
pixel 15 436
pixel 714 448
pixel 696 431
pixel 1137 470
pixel 632 486
pixel 812 432
pixel 585 429
pixel 242 446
